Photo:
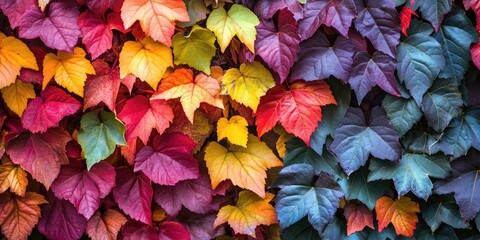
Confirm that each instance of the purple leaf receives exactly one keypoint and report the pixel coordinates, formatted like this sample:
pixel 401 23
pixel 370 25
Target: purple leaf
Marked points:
pixel 267 8
pixel 201 227
pixel 318 59
pixel 334 13
pixel 84 188
pixel 14 10
pixel 101 6
pixel 278 48
pixel 371 71
pixel 380 23
pixel 58 28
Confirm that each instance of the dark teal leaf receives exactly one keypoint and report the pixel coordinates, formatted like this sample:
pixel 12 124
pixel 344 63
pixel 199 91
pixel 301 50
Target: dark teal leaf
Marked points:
pixel 440 209
pixel 418 26
pixel 301 230
pixel 444 233
pixel 403 113
pixel 336 229
pixel 421 140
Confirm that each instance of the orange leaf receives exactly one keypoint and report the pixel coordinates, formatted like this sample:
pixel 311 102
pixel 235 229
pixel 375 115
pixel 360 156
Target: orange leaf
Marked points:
pixel 105 226
pixel 401 213
pixel 12 176
pixel 18 215
pixel 157 17
pixel 358 217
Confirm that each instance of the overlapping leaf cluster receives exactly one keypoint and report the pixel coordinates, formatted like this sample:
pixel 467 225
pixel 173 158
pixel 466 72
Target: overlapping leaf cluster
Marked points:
pixel 202 119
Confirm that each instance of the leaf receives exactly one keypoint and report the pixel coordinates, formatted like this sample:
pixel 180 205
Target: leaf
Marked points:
pixel 48 109
pixel 100 133
pixel 84 189
pixel 14 10
pixel 197 11
pixel 249 212
pixel 301 230
pixel 196 49
pixel 133 193
pixel 304 194
pixel 235 130
pixel 402 113
pixel 101 6
pixel 358 217
pixel 40 154
pixel 247 84
pixel 192 92
pixel 167 230
pixel 16 96
pixel 14 55
pixel 198 131
pixel 157 17
pixel 420 58
pixel 464 183
pixel 105 226
pixel 318 59
pixel 70 70
pixel 442 209
pixel 245 167
pixel 412 172
pixel 370 71
pixel 456 35
pixel 337 13
pixel 401 213
pixel 357 186
pixel 170 159
pixel 434 10
pixel 60 220
pixel 446 232
pixel 278 45
pixel 475 6
pixel 265 9
pixel 406 18
pixel 201 226
pixel 442 103
pixel 14 177
pixel 239 21
pixel 380 23
pixel 57 27
pixel 146 59
pixel 19 215
pixel 297 109
pixel 355 139
pixel 141 115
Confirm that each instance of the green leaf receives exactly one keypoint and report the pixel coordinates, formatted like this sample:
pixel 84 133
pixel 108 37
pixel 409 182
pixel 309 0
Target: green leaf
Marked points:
pixel 356 186
pixel 440 209
pixel 411 173
pixel 197 49
pixel 402 113
pixel 442 103
pixel 99 134
pixel 420 58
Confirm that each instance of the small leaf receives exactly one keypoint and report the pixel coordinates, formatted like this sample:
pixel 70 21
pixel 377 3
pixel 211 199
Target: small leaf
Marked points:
pixel 235 130
pixel 16 96
pixel 105 226
pixel 167 230
pixel 101 6
pixel 406 18
pixel 442 209
pixel 14 177
pixel 266 9
pixel 434 10
pixel 401 213
pixel 358 217
pixel 402 113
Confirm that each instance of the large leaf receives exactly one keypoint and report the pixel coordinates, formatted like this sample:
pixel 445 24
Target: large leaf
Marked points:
pixel 402 113
pixel 99 134
pixel 402 213
pixel 420 58
pixel 355 139
pixel 15 9
pixel 434 10
pixel 442 209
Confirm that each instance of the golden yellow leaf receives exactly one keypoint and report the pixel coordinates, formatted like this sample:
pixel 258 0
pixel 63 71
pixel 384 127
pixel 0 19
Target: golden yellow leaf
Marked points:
pixel 16 96
pixel 146 59
pixel 249 212
pixel 245 167
pixel 69 69
pixel 248 84
pixel 235 130
pixel 14 55
pixel 14 177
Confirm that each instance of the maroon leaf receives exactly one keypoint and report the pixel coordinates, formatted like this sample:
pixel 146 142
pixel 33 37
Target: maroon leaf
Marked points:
pixel 101 6
pixel 84 188
pixel 134 193
pixel 267 8
pixel 49 109
pixel 168 230
pixel 170 160
pixel 201 227
pixel 34 76
pixel 57 27
pixel 278 48
pixel 103 86
pixel 40 154
pixel 14 10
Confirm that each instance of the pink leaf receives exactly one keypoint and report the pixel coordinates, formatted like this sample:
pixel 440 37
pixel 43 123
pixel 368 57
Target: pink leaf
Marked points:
pixel 167 230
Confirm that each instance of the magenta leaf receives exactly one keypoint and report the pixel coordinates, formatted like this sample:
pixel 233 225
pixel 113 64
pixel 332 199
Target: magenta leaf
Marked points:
pixel 267 8
pixel 57 27
pixel 167 230
pixel 14 10
pixel 101 6
pixel 170 160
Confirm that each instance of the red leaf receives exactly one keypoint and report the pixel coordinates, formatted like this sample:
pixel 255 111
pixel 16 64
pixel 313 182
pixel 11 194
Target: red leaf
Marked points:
pixel 40 154
pixel 101 6
pixel 141 115
pixel 358 217
pixel 14 10
pixel 83 188
pixel 61 221
pixel 405 18
pixel 475 6
pixel 97 34
pixel 297 109
pixel 49 109
pixel 134 193
pixel 105 226
pixel 195 195
pixel 170 160
pixel 165 231
pixel 475 51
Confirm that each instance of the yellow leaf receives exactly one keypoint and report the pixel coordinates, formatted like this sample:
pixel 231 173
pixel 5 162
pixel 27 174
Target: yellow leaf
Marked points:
pixel 282 140
pixel 250 212
pixel 146 59
pixel 14 55
pixel 70 69
pixel 13 177
pixel 239 21
pixel 235 130
pixel 244 166
pixel 248 84
pixel 16 96
pixel 42 4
